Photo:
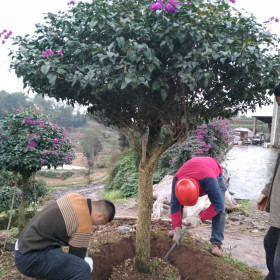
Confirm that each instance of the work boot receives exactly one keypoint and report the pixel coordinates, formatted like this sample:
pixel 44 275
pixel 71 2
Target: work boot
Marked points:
pixel 217 250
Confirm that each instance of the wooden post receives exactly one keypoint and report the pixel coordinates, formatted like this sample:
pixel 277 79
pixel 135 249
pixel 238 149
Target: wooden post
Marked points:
pixel 255 126
pixel 35 194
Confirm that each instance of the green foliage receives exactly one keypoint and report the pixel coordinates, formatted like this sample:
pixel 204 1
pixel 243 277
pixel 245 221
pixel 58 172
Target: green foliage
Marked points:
pixel 28 141
pixel 6 194
pixel 11 102
pixel 67 175
pixel 235 263
pixel 92 146
pixel 124 176
pixel 159 174
pixel 64 116
pixel 41 191
pixel 114 196
pixel 7 178
pixel 55 174
pixel 61 114
pixel 245 205
pixel 132 65
pixel 48 174
pixel 130 186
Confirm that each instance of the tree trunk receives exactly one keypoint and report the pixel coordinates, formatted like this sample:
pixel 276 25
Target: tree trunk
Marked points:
pixel 149 157
pixel 22 209
pixel 145 205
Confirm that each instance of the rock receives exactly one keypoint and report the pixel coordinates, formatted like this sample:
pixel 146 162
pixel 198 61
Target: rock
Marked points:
pixel 234 218
pixel 124 228
pixel 166 201
pixel 165 206
pixel 261 228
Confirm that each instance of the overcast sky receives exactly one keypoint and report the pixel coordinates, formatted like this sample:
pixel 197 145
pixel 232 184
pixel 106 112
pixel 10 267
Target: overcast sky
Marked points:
pixel 21 16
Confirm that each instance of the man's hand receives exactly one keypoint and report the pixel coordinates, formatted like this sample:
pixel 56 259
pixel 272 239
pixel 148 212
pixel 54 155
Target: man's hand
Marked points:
pixel 89 260
pixel 176 236
pixel 262 201
pixel 193 221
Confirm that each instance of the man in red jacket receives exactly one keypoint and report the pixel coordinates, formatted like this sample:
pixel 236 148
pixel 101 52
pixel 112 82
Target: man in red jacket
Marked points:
pixel 197 177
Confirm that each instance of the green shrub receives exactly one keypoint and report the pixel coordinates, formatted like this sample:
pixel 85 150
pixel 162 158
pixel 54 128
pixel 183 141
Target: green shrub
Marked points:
pixel 130 187
pixel 7 178
pixel 67 174
pixel 122 170
pixel 6 195
pixel 159 174
pixel 41 191
pixel 112 195
pixel 48 174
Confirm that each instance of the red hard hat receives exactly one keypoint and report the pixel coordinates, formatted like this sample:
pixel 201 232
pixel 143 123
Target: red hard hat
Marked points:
pixel 187 191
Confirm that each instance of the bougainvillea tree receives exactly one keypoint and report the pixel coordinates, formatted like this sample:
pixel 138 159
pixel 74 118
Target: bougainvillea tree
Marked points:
pixel 29 141
pixel 142 69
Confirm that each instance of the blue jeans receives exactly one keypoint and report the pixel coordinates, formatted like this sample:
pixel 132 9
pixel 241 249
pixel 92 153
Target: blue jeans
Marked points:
pixel 272 250
pixel 219 221
pixel 52 264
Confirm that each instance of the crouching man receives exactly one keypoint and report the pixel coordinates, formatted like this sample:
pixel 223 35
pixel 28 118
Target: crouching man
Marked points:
pixel 69 222
pixel 197 177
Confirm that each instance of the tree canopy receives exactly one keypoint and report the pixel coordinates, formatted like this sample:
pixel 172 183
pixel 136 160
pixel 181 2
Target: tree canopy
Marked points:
pixel 132 65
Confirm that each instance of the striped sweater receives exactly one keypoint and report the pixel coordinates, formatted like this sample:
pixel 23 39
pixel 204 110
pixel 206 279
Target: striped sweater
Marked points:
pixel 64 222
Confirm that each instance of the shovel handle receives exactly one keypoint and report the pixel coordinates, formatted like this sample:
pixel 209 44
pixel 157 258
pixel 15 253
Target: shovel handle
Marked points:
pixel 173 247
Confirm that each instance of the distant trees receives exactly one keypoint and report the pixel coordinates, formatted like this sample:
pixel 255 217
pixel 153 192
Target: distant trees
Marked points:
pixel 59 113
pixel 10 102
pixel 92 146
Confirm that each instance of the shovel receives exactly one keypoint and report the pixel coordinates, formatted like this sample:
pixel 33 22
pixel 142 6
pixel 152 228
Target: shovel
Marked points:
pixel 173 247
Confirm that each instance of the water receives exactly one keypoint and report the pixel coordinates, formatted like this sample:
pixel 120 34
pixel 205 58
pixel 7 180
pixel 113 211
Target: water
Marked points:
pixel 249 168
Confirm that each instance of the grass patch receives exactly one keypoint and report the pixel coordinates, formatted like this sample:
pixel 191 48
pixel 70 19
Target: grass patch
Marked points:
pixel 235 263
pixel 3 273
pixel 114 196
pixel 245 204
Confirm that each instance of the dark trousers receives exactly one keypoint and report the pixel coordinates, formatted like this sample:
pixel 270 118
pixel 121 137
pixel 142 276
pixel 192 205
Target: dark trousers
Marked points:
pixel 272 249
pixel 52 264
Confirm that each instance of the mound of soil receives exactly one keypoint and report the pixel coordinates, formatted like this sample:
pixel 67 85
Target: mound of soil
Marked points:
pixel 158 270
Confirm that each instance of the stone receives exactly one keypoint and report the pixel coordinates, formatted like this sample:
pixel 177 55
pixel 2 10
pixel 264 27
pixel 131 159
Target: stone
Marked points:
pixel 124 228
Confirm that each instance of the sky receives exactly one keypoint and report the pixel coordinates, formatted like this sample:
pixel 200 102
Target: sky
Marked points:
pixel 21 16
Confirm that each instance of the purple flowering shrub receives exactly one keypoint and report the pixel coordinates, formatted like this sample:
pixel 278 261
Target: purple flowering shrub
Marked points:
pixel 207 140
pixel 29 141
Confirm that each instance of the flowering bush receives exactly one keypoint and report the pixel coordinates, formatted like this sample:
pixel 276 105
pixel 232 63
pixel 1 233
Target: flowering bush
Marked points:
pixel 29 141
pixel 6 35
pixel 208 140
